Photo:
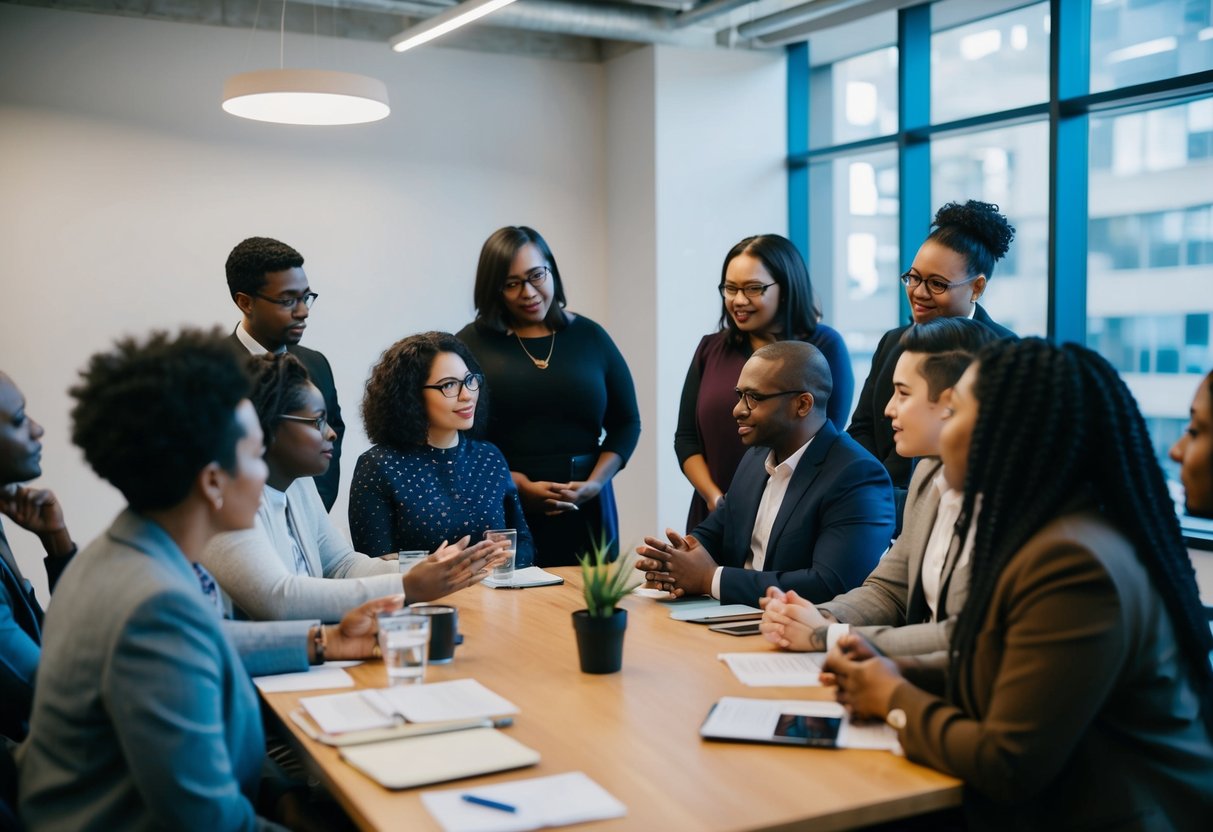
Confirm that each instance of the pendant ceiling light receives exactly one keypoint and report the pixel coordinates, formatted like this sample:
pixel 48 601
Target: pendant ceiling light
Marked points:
pixel 304 96
pixel 444 22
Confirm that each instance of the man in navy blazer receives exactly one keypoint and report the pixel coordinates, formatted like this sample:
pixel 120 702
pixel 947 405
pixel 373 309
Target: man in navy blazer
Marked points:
pixel 808 509
pixel 268 284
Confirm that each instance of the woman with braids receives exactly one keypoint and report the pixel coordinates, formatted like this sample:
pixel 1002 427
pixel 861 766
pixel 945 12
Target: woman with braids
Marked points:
pixel 1079 691
pixel 765 296
pixel 948 275
pixel 294 563
pixel 425 481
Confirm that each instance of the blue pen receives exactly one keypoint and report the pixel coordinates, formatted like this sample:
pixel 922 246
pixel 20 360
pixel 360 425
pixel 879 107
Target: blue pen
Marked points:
pixel 491 804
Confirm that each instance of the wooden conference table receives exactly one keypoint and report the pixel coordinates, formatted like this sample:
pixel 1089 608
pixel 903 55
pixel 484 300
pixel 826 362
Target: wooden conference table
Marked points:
pixel 635 732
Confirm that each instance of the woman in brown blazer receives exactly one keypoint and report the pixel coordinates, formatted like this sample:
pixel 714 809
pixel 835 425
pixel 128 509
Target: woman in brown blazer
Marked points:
pixel 1079 692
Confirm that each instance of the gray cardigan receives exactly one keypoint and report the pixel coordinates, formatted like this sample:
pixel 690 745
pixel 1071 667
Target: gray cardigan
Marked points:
pixel 256 567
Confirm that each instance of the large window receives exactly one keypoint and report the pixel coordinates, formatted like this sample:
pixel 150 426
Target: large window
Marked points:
pixel 1102 161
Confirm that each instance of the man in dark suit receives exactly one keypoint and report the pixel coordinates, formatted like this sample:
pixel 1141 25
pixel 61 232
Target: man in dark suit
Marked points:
pixel 808 509
pixel 267 282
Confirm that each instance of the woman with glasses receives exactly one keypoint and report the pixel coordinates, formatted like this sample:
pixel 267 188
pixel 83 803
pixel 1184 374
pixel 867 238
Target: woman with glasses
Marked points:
pixel 425 481
pixel 766 296
pixel 559 386
pixel 1079 694
pixel 948 275
pixel 294 563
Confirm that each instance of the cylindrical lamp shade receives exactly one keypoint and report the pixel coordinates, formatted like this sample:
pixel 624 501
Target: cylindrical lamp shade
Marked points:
pixel 305 96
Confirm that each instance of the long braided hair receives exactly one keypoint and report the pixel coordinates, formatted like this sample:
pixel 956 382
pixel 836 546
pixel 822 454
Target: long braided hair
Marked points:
pixel 1054 422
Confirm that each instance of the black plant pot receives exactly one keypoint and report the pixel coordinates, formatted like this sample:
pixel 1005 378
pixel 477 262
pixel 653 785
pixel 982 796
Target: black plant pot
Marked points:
pixel 600 641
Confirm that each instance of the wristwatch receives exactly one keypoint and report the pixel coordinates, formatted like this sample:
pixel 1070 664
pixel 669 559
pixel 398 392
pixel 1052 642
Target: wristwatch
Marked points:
pixel 896 718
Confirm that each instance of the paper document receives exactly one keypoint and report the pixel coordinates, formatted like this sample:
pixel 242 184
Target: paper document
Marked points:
pixel 384 707
pixel 771 669
pixel 700 614
pixel 523 578
pixel 320 677
pixel 558 800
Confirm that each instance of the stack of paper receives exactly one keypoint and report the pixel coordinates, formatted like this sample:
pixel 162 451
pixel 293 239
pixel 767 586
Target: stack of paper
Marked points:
pixel 775 670
pixel 383 707
pixel 523 578
pixel 321 677
pixel 541 802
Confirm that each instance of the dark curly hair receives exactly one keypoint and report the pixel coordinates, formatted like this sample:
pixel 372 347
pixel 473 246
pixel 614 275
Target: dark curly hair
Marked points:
pixel 950 345
pixel 280 383
pixel 253 258
pixel 798 312
pixel 1055 422
pixel 496 255
pixel 976 231
pixel 150 416
pixel 393 408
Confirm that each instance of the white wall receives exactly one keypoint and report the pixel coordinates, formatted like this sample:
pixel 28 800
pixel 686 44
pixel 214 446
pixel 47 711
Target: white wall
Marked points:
pixel 125 186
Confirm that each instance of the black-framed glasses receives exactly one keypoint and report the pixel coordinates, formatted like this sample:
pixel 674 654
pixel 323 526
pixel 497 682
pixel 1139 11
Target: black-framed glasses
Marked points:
pixel 307 299
pixel 935 285
pixel 753 399
pixel 320 422
pixel 536 277
pixel 451 388
pixel 753 290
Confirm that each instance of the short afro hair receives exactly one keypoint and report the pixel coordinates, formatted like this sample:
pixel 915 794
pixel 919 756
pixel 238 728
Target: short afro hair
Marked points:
pixel 280 383
pixel 255 257
pixel 149 417
pixel 393 409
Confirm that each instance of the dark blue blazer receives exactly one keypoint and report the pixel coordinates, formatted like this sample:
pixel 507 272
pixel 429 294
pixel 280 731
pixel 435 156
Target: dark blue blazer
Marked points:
pixel 835 520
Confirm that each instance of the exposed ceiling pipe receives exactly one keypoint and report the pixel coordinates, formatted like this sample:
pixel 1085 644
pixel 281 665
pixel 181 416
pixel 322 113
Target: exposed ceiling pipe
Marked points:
pixel 712 8
pixel 837 17
pixel 594 21
pixel 792 17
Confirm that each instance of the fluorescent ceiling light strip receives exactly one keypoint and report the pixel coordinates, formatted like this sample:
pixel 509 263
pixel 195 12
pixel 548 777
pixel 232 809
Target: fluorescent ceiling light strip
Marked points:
pixel 444 22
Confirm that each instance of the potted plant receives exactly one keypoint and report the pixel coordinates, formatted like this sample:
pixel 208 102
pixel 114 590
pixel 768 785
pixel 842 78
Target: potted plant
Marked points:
pixel 600 626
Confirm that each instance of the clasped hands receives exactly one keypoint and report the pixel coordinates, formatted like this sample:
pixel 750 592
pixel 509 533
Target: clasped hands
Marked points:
pixel 556 497
pixel 681 567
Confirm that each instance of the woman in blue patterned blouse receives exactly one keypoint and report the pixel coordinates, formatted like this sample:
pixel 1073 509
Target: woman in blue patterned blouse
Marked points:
pixel 425 481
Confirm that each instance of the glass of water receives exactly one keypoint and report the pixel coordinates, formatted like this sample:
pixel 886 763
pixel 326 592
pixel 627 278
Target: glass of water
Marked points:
pixel 404 640
pixel 504 571
pixel 410 558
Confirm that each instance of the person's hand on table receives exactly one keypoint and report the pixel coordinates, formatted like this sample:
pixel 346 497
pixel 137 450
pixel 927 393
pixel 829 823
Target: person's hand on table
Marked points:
pixel 681 566
pixel 452 567
pixel 792 622
pixel 865 680
pixel 355 636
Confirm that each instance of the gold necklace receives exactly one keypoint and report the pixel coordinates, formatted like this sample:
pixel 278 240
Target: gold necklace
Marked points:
pixel 541 363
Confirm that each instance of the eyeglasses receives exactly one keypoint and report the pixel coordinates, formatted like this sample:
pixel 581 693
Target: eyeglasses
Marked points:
pixel 320 422
pixel 307 299
pixel 934 285
pixel 452 388
pixel 754 290
pixel 536 277
pixel 752 399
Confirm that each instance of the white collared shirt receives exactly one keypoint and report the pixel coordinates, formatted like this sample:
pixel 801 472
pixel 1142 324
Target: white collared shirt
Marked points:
pixel 252 344
pixel 934 557
pixel 776 488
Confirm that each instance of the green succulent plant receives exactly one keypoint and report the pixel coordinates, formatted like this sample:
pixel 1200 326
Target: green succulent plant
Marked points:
pixel 606 582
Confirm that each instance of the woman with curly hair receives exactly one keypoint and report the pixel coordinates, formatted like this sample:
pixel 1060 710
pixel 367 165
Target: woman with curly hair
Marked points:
pixel 425 480
pixel 948 275
pixel 765 296
pixel 294 563
pixel 1079 692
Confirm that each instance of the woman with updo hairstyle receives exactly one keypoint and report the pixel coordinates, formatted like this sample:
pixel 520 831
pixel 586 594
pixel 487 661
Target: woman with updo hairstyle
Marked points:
pixel 765 296
pixel 563 407
pixel 426 481
pixel 948 275
pixel 1077 691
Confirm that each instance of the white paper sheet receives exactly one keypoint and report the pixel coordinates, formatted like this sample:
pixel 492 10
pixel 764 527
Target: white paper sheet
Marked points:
pixel 321 677
pixel 523 578
pixel 541 802
pixel 694 613
pixel 775 669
